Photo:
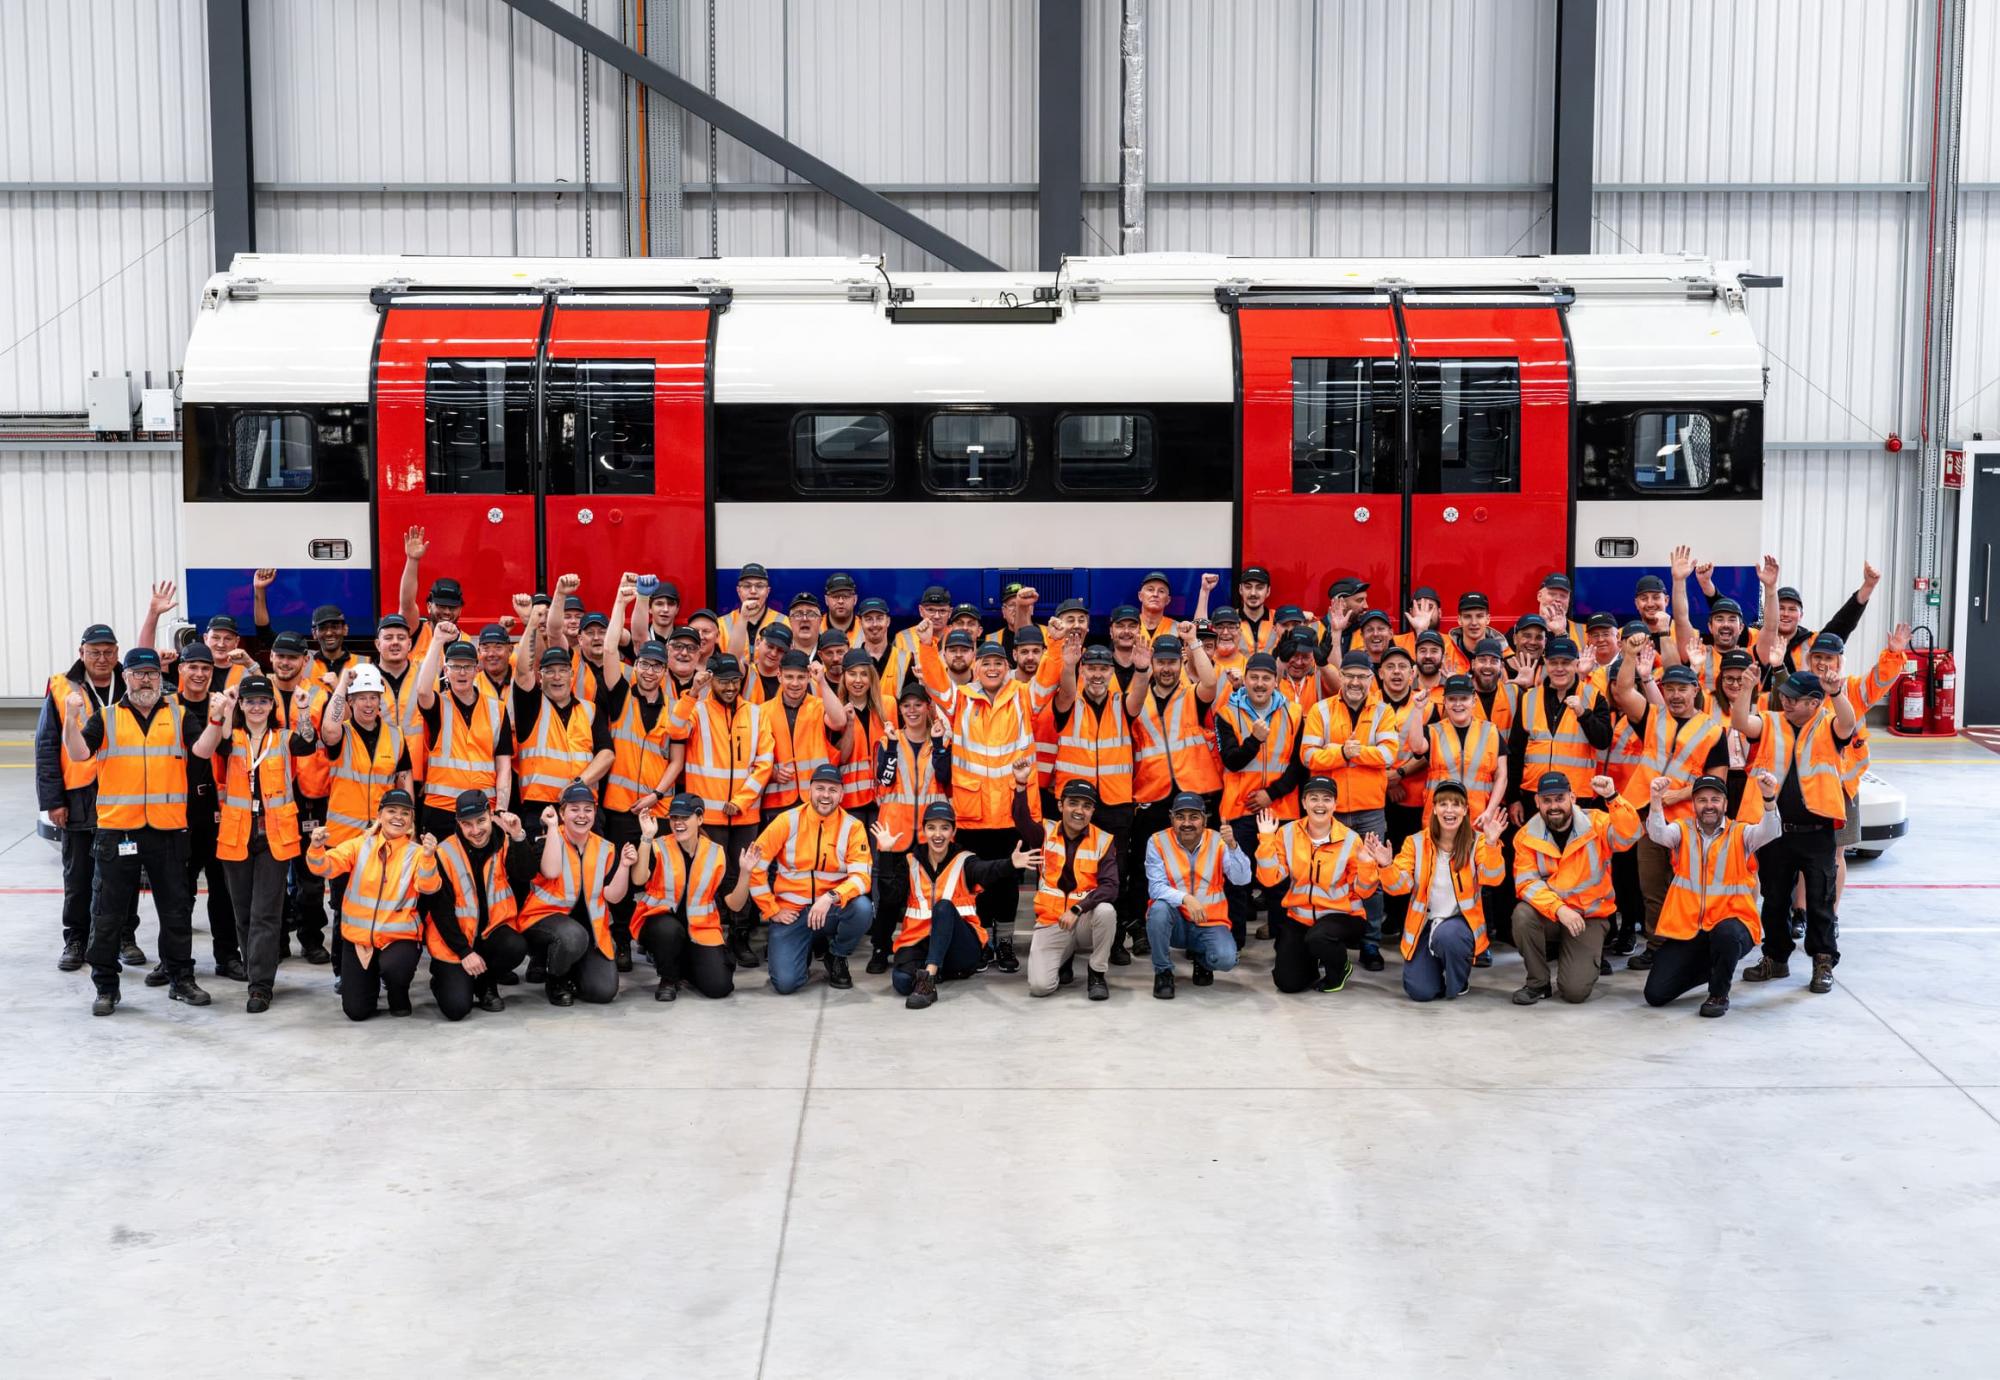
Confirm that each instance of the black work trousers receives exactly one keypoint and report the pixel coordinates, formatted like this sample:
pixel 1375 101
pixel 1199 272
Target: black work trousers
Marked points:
pixel 1709 959
pixel 1246 901
pixel 1307 951
pixel 1796 854
pixel 394 966
pixel 455 990
pixel 733 838
pixel 995 905
pixel 620 827
pixel 1147 820
pixel 160 856
pixel 1403 821
pixel 665 938
pixel 256 891
pixel 202 864
pixel 892 898
pixel 80 882
pixel 305 895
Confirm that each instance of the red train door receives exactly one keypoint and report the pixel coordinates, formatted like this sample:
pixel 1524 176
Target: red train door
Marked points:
pixel 1490 431
pixel 626 449
pixel 455 380
pixel 1322 442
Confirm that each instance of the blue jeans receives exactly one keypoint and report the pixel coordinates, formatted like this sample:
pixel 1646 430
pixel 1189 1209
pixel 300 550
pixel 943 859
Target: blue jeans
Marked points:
pixel 1167 929
pixel 1364 823
pixel 952 944
pixel 1442 964
pixel 790 951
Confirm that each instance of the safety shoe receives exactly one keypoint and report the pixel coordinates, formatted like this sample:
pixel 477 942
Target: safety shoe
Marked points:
pixel 488 998
pixel 72 955
pixel 1120 955
pixel 1371 957
pixel 1766 969
pixel 1622 942
pixel 1640 961
pixel 1066 974
pixel 924 993
pixel 232 969
pixel 538 971
pixel 1141 945
pixel 837 975
pixel 1329 983
pixel 1163 984
pixel 1003 956
pixel 1715 1006
pixel 184 989
pixel 558 992
pixel 1263 931
pixel 739 948
pixel 1603 966
pixel 1530 993
pixel 878 961
pixel 131 955
pixel 315 953
pixel 1204 976
pixel 623 952
pixel 1097 986
pixel 158 976
pixel 1797 920
pixel 258 1002
pixel 1822 978
pixel 668 990
pixel 105 1004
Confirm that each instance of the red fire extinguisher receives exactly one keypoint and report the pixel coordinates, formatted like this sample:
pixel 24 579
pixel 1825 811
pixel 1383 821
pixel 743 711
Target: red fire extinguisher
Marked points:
pixel 1924 700
pixel 1942 720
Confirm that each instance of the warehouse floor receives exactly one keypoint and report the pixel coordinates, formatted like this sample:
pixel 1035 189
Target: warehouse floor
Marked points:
pixel 1236 1184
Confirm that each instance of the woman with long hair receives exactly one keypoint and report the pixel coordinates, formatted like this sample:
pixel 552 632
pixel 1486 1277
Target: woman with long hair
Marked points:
pixel 1443 870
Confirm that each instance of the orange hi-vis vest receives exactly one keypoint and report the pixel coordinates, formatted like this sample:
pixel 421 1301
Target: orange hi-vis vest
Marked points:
pixel 808 855
pixel 399 707
pixel 1506 704
pixel 1047 739
pixel 75 775
pixel 552 754
pixel 729 754
pixel 1715 879
pixel 989 733
pixel 1578 875
pixel 1171 749
pixel 387 875
pixel 925 895
pixel 799 741
pixel 1199 878
pixel 1361 784
pixel 1096 746
pixel 271 795
pixel 677 879
pixel 360 778
pixel 1473 763
pixel 142 772
pixel 1406 791
pixel 1410 875
pixel 1781 749
pixel 1864 693
pixel 1330 878
pixel 1304 694
pixel 638 753
pixel 1560 746
pixel 1676 749
pixel 855 756
pixel 456 865
pixel 312 773
pixel 1091 848
pixel 1626 755
pixel 463 758
pixel 900 805
pixel 585 872
pixel 1273 759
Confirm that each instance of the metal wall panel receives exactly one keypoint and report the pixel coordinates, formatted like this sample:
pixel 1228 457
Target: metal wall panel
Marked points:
pixel 1975 374
pixel 109 522
pixel 1979 130
pixel 1771 91
pixel 1827 512
pixel 495 223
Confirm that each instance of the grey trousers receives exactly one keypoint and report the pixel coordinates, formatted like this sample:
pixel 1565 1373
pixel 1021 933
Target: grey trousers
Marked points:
pixel 1054 946
pixel 1576 965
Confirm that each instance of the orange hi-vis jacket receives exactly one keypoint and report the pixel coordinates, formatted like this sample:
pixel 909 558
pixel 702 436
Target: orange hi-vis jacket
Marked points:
pixel 1781 748
pixel 1715 879
pixel 1864 693
pixel 638 753
pixel 1171 748
pixel 463 758
pixel 1091 848
pixel 1410 875
pixel 730 628
pixel 855 756
pixel 360 778
pixel 1560 746
pixel 501 907
pixel 730 752
pixel 1407 791
pixel 385 877
pixel 1473 763
pixel 585 871
pixel 552 753
pixel 1303 694
pixel 1675 749
pixel 1198 878
pixel 75 775
pixel 1273 759
pixel 1096 746
pixel 142 772
pixel 799 742
pixel 925 895
pixel 806 856
pixel 1330 878
pixel 989 733
pixel 1578 875
pixel 272 795
pixel 1363 783
pixel 312 774
pixel 1626 755
pixel 1506 705
pixel 903 794
pixel 676 879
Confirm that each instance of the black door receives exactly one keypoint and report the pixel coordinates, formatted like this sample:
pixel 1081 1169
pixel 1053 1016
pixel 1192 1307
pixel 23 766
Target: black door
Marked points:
pixel 1979 667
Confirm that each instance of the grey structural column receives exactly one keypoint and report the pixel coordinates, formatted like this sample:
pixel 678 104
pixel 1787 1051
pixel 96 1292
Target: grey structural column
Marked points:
pixel 1060 135
pixel 1575 126
pixel 233 213
pixel 759 138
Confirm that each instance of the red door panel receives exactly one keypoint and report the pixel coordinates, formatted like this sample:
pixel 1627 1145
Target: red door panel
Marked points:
pixel 469 485
pixel 1352 524
pixel 1501 543
pixel 596 524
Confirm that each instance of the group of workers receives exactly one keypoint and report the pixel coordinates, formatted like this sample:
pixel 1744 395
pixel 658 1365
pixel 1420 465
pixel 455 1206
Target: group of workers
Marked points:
pixel 567 787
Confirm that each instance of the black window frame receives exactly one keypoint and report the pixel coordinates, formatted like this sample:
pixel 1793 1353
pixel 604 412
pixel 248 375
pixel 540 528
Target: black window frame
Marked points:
pixel 1427 392
pixel 531 425
pixel 1382 404
pixel 1716 450
pixel 1138 415
pixel 1607 435
pixel 888 463
pixel 562 460
pixel 244 414
pixel 1025 442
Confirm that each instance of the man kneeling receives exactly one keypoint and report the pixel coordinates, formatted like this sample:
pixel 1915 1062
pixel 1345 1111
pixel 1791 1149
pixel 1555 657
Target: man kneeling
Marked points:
pixel 940 936
pixel 568 914
pixel 816 858
pixel 1710 917
pixel 468 926
pixel 1187 908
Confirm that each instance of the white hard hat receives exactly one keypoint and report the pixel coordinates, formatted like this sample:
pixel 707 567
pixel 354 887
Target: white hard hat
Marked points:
pixel 367 681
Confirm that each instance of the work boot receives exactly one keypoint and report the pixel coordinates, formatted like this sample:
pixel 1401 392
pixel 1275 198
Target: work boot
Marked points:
pixel 538 971
pixel 1003 956
pixel 105 1004
pixel 1263 931
pixel 1797 920
pixel 1097 986
pixel 1765 969
pixel 487 997
pixel 1371 956
pixel 1623 940
pixel 837 975
pixel 315 952
pixel 232 969
pixel 1204 976
pixel 1329 983
pixel 1715 1006
pixel 1163 984
pixel 184 989
pixel 739 946
pixel 1532 992
pixel 1642 960
pixel 668 990
pixel 985 956
pixel 258 1002
pixel 158 976
pixel 1822 978
pixel 1066 974
pixel 72 955
pixel 131 955
pixel 558 992
pixel 1119 954
pixel 1141 945
pixel 924 993
pixel 878 961
pixel 623 951
pixel 1603 966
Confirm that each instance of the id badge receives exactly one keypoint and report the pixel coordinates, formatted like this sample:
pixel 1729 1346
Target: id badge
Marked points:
pixel 128 848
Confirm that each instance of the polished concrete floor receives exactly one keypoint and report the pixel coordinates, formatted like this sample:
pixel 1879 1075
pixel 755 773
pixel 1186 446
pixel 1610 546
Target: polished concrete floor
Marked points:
pixel 1234 1184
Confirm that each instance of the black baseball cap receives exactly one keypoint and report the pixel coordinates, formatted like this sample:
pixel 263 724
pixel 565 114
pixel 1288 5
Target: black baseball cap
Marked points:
pixel 290 643
pixel 857 656
pixel 709 614
pixel 1098 655
pixel 493 635
pixel 461 651
pixel 471 805
pixel 1634 628
pixel 1072 606
pixel 839 581
pixel 1600 620
pixel 1650 584
pixel 1030 636
pixel 396 798
pixel 1707 782
pixel 1261 661
pixel 447 592
pixel 1788 592
pixel 252 688
pixel 1425 592
pixel 1556 580
pixel 1357 661
pixel 98 635
pixel 1395 649
pixel 572 603
pixel 777 634
pixel 1489 646
pixel 553 656
pixel 392 620
pixel 913 689
pixel 1801 685
pixel 1460 685
pixel 1124 613
pixel 222 622
pixel 1371 616
pixel 935 594
pixel 685 803
pixel 794 660
pixel 684 633
pixel 1472 599
pixel 576 793
pixel 723 666
pixel 753 571
pixel 1319 785
pixel 1254 574
pixel 1156 577
pixel 804 596
pixel 832 637
pixel 1531 620
pixel 825 774
pixel 665 589
pixel 872 604
pixel 959 637
pixel 1290 613
pixel 1187 800
pixel 1225 614
pixel 940 811
pixel 1679 675
pixel 1829 642
pixel 197 652
pixel 1552 783
pixel 328 613
pixel 1449 786
pixel 959 611
pixel 1430 636
pixel 1343 587
pixel 1735 659
pixel 1561 648
pixel 1725 605
pixel 1080 790
pixel 652 649
pixel 595 620
pixel 1168 644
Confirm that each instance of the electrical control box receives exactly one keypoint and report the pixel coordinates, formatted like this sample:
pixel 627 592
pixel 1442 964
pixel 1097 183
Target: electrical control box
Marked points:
pixel 156 409
pixel 109 399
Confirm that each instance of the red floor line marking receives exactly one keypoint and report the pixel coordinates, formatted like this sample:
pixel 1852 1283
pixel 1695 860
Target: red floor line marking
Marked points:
pixel 1923 886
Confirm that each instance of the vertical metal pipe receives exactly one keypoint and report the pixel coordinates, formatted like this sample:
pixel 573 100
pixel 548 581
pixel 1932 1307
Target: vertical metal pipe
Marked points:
pixel 1132 128
pixel 1940 288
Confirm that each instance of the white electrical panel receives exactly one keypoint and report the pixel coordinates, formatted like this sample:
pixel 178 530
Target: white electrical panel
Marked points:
pixel 156 409
pixel 109 397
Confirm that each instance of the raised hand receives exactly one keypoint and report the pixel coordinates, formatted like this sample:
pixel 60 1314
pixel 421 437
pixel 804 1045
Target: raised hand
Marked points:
pixel 939 724
pixel 649 823
pixel 1267 822
pixel 1184 630
pixel 1024 856
pixel 549 817
pixel 447 632
pixel 1337 615
pixel 1420 619
pixel 1704 574
pixel 1493 824
pixel 524 604
pixel 414 545
pixel 628 855
pixel 74 701
pixel 699 685
pixel 1603 786
pixel 1648 658
pixel 1682 562
pixel 1767 783
pixel 1209 582
pixel 318 839
pixel 926 634
pixel 1525 668
pixel 302 699
pixel 1870 577
pixel 1899 638
pixel 883 838
pixel 1377 850
pixel 1260 729
pixel 751 858
pixel 163 595
pixel 429 844
pixel 567 585
pixel 241 657
pixel 1660 787
pixel 1767 571
pixel 263 579
pixel 1142 655
pixel 510 824
pixel 1024 771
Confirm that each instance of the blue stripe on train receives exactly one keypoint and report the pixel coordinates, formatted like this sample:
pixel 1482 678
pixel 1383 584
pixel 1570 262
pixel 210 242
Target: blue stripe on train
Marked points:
pixel 292 598
pixel 1103 589
pixel 1609 587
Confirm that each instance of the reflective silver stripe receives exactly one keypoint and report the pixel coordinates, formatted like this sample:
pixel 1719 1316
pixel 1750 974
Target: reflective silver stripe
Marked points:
pixel 165 798
pixel 1580 821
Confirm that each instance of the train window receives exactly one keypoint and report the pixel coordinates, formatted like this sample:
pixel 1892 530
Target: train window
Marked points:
pixel 271 453
pixel 478 420
pixel 843 453
pixel 1467 426
pixel 1346 426
pixel 600 426
pixel 1104 453
pixel 1673 450
pixel 974 453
